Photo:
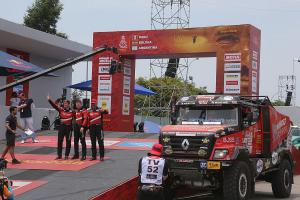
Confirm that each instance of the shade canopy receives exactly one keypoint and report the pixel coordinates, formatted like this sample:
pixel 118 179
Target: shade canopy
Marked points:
pixel 11 65
pixel 87 86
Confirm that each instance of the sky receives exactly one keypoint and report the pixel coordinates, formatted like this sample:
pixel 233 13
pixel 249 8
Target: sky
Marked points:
pixel 277 19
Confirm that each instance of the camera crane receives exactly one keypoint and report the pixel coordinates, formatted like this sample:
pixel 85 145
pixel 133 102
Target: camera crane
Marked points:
pixel 60 66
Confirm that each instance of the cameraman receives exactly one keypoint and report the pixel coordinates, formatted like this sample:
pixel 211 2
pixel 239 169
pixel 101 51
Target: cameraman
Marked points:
pixel 6 189
pixel 11 127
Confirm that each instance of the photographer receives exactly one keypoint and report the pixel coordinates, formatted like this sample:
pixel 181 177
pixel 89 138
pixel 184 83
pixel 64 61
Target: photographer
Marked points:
pixel 11 127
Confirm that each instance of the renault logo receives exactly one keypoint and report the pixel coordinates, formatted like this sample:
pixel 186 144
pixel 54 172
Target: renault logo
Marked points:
pixel 185 144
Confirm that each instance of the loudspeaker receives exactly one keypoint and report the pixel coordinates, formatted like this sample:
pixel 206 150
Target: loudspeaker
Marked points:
pixel 86 103
pixel 172 67
pixel 288 98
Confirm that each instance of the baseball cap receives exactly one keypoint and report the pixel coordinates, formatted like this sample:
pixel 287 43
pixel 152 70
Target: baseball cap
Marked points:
pixel 156 150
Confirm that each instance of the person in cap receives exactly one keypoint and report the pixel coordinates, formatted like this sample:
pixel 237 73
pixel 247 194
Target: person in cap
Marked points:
pixel 94 120
pixel 153 173
pixel 65 129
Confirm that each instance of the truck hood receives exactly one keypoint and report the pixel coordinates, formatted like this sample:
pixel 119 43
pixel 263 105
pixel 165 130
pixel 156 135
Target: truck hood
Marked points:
pixel 192 128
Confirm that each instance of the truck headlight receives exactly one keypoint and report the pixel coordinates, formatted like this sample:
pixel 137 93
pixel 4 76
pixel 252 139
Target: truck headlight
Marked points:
pixel 220 153
pixel 166 140
pixel 168 150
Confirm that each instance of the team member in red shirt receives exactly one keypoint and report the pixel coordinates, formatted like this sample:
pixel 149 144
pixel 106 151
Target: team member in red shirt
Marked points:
pixel 94 119
pixel 79 131
pixel 66 116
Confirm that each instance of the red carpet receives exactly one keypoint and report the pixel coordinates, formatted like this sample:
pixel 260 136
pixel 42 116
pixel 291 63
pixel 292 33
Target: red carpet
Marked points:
pixel 22 186
pixel 110 143
pixel 47 162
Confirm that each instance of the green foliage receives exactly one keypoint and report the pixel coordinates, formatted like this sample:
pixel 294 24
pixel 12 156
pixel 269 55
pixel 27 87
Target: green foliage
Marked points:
pixel 278 103
pixel 43 15
pixel 165 88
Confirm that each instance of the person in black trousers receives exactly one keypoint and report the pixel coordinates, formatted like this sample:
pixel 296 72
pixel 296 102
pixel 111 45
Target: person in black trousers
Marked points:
pixel 95 123
pixel 79 131
pixel 65 129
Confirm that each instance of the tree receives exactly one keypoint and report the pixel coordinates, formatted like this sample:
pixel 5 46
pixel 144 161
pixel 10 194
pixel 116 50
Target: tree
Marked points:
pixel 43 15
pixel 278 103
pixel 165 88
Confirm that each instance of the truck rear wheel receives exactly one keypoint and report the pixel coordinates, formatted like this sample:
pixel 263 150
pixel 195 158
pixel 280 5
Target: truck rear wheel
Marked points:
pixel 237 182
pixel 282 180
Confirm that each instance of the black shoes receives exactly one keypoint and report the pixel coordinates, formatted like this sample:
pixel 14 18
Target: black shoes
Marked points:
pixel 101 158
pixel 93 158
pixel 66 157
pixel 15 162
pixel 75 157
pixel 83 158
pixel 58 158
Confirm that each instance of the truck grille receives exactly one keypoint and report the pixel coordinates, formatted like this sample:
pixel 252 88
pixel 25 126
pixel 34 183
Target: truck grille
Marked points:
pixel 189 146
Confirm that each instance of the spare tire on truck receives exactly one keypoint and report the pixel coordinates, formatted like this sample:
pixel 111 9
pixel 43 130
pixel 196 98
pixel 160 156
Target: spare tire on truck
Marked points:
pixel 237 182
pixel 282 180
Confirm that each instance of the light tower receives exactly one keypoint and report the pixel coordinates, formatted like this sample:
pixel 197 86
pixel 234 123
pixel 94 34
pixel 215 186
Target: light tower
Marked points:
pixel 168 14
pixel 287 83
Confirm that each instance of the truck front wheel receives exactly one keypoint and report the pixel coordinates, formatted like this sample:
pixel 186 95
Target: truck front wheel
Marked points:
pixel 282 180
pixel 237 182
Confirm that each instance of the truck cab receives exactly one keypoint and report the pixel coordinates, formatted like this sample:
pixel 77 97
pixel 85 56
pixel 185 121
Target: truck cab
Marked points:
pixel 215 134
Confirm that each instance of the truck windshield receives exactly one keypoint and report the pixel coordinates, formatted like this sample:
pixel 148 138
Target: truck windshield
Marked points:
pixel 208 116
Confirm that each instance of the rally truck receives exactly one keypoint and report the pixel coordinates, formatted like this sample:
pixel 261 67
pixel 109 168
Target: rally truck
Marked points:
pixel 224 144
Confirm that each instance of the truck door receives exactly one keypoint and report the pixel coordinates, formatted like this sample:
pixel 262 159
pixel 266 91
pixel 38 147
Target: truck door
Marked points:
pixel 266 126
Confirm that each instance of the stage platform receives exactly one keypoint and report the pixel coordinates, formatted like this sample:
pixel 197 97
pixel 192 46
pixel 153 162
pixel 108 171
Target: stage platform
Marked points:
pixel 48 179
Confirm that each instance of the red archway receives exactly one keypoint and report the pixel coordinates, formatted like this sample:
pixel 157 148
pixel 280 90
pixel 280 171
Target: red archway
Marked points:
pixel 237 49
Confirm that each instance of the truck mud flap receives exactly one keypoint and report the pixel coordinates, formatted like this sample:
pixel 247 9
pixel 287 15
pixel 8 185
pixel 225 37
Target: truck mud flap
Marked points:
pixel 266 131
pixel 125 191
pixel 296 158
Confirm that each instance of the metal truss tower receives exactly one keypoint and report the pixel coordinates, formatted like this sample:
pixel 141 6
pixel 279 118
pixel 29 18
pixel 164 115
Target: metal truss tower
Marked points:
pixel 287 83
pixel 168 14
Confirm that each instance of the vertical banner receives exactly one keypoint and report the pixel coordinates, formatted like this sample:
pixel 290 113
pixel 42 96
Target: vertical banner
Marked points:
pixel 126 105
pixel 104 102
pixel 105 84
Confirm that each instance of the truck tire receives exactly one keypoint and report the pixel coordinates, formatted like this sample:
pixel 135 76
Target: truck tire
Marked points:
pixel 282 180
pixel 237 182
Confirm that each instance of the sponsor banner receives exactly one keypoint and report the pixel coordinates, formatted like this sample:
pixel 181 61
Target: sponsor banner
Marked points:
pixel 104 69
pixel 104 84
pixel 127 71
pixel 127 63
pixel 142 42
pixel 232 67
pixel 254 82
pixel 233 57
pixel 104 102
pixel 255 55
pixel 126 105
pixel 232 83
pixel 254 65
pixel 126 85
pixel 105 61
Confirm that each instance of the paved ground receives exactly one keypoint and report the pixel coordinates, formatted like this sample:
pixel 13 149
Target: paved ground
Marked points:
pixel 81 185
pixel 264 192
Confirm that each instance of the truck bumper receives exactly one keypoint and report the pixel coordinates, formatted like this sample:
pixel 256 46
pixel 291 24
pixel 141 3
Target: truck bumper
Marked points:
pixel 198 173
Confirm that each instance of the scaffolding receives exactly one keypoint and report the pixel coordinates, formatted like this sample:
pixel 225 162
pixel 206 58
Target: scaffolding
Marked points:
pixel 167 14
pixel 287 83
